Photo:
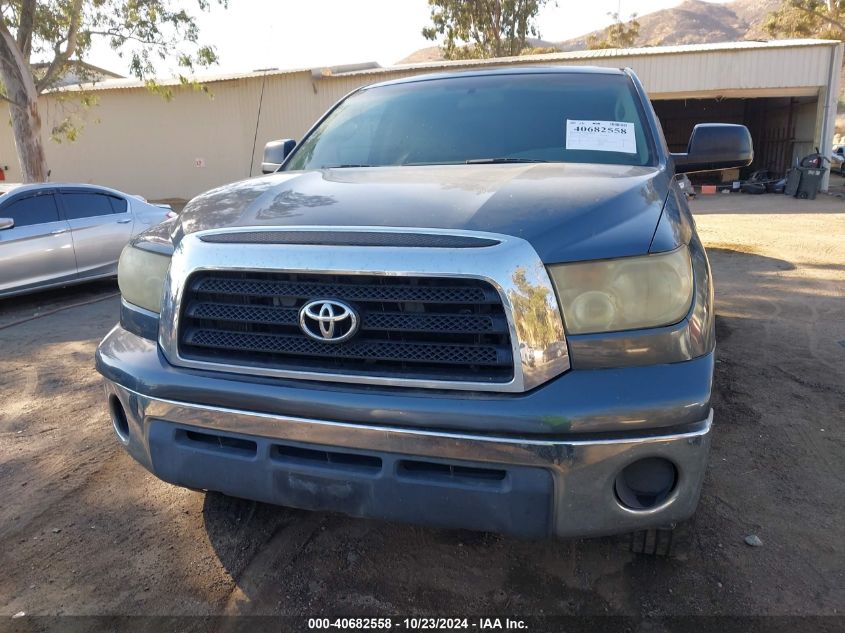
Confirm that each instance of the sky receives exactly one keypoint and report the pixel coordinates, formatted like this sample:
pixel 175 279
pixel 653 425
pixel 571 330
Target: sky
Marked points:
pixel 257 34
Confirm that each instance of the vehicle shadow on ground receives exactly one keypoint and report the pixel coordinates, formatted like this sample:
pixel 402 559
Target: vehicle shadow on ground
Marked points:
pixel 329 563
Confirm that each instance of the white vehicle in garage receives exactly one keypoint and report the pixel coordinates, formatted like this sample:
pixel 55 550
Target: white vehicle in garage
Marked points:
pixel 55 234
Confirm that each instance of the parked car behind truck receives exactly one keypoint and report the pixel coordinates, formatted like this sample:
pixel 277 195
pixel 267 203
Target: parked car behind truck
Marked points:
pixel 54 234
pixel 469 300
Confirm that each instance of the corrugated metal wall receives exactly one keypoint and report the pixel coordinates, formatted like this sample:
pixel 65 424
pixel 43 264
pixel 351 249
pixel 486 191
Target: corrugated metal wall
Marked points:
pixel 137 142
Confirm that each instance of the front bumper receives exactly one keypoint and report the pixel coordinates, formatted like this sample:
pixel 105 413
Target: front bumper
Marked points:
pixel 531 484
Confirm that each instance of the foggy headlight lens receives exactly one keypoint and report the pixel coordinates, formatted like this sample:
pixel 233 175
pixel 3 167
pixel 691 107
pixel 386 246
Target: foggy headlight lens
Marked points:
pixel 624 294
pixel 140 275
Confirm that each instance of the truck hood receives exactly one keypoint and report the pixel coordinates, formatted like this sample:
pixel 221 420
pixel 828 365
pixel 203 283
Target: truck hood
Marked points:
pixel 568 212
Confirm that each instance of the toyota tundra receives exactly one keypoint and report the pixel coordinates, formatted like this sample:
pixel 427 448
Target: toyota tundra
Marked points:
pixel 469 300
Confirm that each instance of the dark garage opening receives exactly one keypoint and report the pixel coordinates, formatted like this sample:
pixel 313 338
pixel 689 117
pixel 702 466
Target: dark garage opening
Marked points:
pixel 782 128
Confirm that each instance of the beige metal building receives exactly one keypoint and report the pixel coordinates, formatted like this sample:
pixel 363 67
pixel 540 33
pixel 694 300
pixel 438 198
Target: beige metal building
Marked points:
pixel 785 91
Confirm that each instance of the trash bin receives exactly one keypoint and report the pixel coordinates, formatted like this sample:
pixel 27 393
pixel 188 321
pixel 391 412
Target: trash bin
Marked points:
pixel 811 180
pixel 793 179
pixel 804 180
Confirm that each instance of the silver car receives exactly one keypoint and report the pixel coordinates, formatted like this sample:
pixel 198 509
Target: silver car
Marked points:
pixel 837 160
pixel 59 234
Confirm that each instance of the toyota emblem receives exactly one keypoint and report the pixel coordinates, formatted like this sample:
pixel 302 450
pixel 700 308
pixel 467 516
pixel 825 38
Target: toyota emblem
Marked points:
pixel 328 320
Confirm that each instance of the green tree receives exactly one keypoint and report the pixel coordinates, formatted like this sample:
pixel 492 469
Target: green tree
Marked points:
pixel 618 35
pixel 539 50
pixel 482 28
pixel 41 40
pixel 808 18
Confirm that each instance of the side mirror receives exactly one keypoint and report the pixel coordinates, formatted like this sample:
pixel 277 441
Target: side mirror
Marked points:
pixel 6 223
pixel 275 153
pixel 714 146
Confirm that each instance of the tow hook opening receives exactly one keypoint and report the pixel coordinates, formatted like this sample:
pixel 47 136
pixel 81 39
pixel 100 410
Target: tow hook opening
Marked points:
pixel 646 483
pixel 118 418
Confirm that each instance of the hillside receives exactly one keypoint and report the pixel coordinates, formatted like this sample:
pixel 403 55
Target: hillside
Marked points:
pixel 691 22
pixel 696 22
pixel 434 54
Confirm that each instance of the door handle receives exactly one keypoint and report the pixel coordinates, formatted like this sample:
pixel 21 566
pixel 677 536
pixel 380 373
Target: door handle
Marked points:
pixel 126 221
pixel 58 231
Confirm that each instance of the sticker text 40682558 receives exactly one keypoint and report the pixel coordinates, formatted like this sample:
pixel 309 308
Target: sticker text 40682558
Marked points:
pixel 602 136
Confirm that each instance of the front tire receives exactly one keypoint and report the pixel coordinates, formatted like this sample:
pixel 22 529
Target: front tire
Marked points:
pixel 663 542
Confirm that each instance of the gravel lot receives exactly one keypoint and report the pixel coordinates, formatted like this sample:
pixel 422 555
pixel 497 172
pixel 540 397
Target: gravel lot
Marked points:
pixel 86 531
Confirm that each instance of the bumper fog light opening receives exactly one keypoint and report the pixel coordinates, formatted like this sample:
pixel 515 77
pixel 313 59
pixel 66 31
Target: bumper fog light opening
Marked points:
pixel 118 419
pixel 646 483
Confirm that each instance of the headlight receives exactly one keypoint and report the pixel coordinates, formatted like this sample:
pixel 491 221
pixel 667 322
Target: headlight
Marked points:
pixel 140 275
pixel 624 294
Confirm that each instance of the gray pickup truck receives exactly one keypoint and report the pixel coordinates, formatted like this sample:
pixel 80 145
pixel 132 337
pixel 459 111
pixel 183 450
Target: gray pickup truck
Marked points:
pixel 471 300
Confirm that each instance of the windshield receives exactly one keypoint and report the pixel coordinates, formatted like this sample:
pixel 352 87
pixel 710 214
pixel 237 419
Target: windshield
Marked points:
pixel 542 117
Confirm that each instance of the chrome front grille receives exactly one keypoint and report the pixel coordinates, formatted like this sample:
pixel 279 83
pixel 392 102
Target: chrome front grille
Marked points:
pixel 438 309
pixel 410 327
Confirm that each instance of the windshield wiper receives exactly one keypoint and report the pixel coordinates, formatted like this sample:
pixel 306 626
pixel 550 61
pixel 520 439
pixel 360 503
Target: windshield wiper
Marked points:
pixel 494 161
pixel 344 166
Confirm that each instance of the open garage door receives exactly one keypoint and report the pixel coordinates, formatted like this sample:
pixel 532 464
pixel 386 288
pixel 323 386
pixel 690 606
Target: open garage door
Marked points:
pixel 783 128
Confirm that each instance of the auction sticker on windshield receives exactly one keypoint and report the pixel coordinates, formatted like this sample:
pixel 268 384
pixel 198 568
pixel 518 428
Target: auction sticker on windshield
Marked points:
pixel 602 136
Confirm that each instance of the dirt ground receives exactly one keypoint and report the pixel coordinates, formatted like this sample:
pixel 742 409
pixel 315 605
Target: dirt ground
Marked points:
pixel 84 530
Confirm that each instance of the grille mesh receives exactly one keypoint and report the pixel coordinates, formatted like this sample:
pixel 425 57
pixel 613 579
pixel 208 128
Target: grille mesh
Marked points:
pixel 410 327
pixel 235 313
pixel 387 292
pixel 365 350
pixel 372 320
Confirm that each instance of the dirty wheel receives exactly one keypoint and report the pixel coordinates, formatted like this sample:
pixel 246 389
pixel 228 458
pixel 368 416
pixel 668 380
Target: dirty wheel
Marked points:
pixel 664 542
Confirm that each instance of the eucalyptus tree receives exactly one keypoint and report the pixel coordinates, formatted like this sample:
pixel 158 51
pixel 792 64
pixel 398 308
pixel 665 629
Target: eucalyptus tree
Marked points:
pixel 483 28
pixel 43 40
